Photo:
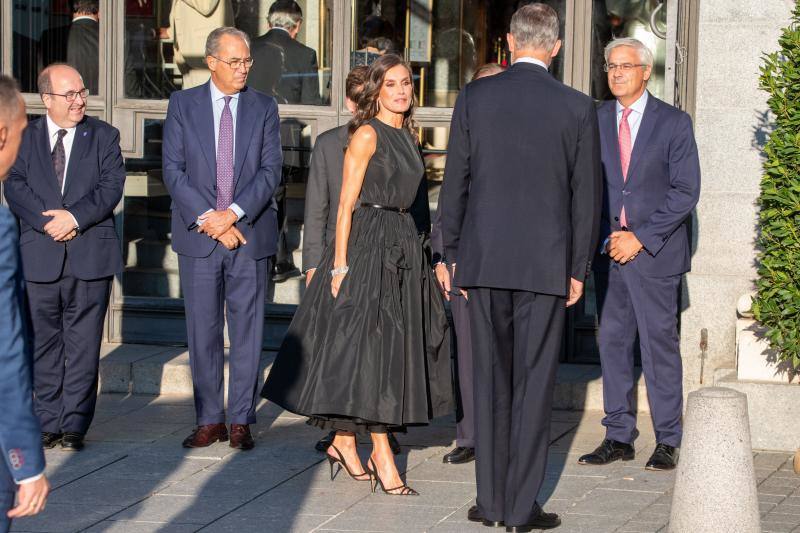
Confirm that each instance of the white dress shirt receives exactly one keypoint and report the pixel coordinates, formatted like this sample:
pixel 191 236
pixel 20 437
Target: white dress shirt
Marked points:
pixel 635 116
pixel 69 138
pixel 218 105
pixel 531 60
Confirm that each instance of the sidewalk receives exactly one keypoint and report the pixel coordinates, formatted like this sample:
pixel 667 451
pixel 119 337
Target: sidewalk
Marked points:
pixel 134 477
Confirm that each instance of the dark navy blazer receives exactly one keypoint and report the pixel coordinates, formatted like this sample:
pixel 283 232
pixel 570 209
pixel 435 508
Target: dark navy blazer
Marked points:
pixel 20 435
pixel 663 186
pixel 190 169
pixel 95 178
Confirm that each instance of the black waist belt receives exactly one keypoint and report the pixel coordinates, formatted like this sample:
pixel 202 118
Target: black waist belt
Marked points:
pixel 385 207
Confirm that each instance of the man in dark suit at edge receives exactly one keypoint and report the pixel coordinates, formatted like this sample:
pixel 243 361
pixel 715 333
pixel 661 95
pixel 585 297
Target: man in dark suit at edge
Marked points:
pixel 520 208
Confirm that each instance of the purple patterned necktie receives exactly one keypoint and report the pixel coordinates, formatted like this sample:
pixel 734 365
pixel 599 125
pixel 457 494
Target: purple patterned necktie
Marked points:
pixel 59 159
pixel 225 158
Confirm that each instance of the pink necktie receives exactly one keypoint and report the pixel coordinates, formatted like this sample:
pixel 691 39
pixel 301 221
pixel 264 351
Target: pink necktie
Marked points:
pixel 624 155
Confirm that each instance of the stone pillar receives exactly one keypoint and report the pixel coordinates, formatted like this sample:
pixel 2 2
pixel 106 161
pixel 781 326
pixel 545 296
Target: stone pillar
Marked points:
pixel 715 487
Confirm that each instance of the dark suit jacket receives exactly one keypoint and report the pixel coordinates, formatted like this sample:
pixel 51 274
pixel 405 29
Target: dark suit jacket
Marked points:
pixel 663 186
pixel 83 51
pixel 20 437
pixel 521 196
pixel 267 67
pixel 190 169
pixel 322 197
pixel 95 178
pixel 299 80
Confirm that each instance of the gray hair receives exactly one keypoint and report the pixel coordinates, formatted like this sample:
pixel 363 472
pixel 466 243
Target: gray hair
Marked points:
pixel 535 26
pixel 645 54
pixel 285 14
pixel 10 99
pixel 212 42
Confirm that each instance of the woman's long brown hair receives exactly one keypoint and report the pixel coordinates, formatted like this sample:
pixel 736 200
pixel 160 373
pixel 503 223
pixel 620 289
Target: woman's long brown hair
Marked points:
pixel 367 104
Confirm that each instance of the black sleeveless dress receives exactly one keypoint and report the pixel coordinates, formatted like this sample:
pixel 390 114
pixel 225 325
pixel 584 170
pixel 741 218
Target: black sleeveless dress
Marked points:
pixel 376 357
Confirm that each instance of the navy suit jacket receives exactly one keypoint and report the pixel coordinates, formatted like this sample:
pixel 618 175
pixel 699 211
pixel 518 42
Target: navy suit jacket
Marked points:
pixel 95 178
pixel 190 169
pixel 662 188
pixel 20 434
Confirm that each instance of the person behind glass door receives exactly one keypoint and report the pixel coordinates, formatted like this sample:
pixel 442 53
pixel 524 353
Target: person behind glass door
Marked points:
pixel 22 462
pixel 190 22
pixel 464 451
pixel 83 43
pixel 322 199
pixel 368 348
pixel 652 181
pixel 222 160
pixel 64 187
pixel 519 227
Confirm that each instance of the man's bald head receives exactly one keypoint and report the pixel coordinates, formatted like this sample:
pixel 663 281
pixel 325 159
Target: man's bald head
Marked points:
pixel 63 93
pixel 12 123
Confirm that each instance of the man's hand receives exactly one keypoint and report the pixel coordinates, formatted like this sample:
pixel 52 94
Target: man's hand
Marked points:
pixel 623 246
pixel 309 275
pixel 31 498
pixel 69 237
pixel 443 277
pixel 216 223
pixel 61 225
pixel 453 276
pixel 232 238
pixel 575 291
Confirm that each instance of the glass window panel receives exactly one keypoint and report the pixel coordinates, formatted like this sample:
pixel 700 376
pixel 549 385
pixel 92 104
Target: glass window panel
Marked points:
pixel 445 41
pixel 434 152
pixel 165 47
pixel 642 19
pixel 50 31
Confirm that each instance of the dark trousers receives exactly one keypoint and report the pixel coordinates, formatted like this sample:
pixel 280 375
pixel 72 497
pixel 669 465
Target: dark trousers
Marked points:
pixel 284 254
pixel 516 338
pixel 8 491
pixel 224 284
pixel 630 302
pixel 67 326
pixel 465 427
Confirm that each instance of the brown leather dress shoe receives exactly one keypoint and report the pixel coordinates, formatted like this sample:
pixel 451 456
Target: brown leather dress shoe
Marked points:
pixel 207 435
pixel 241 439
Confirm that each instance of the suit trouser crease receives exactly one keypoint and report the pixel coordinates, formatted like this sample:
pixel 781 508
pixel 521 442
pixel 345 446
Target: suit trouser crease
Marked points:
pixel 465 427
pixel 67 318
pixel 517 339
pixel 226 283
pixel 654 303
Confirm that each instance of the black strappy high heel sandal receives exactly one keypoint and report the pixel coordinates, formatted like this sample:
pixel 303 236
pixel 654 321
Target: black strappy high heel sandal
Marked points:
pixel 342 464
pixel 372 470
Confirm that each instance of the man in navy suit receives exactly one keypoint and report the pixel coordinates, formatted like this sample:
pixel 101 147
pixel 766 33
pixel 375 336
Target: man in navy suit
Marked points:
pixel 222 162
pixel 64 186
pixel 22 464
pixel 652 183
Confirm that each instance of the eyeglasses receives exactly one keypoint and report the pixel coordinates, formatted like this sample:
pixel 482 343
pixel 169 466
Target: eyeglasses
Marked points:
pixel 236 64
pixel 624 67
pixel 72 95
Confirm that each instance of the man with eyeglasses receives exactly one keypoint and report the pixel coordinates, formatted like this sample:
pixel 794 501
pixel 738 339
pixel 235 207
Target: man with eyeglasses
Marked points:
pixel 652 183
pixel 222 163
pixel 64 186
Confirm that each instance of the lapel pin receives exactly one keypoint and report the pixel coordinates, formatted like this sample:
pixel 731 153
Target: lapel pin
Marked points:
pixel 84 133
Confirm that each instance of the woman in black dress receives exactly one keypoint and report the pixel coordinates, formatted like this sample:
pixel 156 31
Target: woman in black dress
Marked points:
pixel 368 349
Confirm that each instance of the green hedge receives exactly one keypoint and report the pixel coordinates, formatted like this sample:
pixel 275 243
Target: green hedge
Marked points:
pixel 777 304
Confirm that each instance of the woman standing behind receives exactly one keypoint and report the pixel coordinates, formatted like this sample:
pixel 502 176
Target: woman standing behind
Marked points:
pixel 368 349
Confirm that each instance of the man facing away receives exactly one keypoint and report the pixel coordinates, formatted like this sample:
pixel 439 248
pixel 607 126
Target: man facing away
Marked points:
pixel 222 162
pixel 64 186
pixel 520 207
pixel 22 464
pixel 83 43
pixel 652 183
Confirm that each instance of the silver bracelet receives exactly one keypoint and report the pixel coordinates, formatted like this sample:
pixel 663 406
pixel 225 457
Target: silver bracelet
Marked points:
pixel 340 270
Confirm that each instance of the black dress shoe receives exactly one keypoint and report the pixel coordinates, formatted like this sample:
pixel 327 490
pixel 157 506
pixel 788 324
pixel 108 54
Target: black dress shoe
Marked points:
pixel 459 455
pixel 473 515
pixel 664 457
pixel 49 440
pixel 608 452
pixel 325 442
pixel 541 520
pixel 72 442
pixel 283 271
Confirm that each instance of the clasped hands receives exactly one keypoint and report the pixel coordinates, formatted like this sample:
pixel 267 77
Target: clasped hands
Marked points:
pixel 623 246
pixel 219 225
pixel 62 226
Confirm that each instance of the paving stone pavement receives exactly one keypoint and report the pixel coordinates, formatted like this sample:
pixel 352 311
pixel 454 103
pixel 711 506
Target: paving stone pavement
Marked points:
pixel 135 477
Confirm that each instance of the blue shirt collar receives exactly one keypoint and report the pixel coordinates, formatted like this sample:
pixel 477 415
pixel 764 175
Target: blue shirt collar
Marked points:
pixel 638 106
pixel 216 94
